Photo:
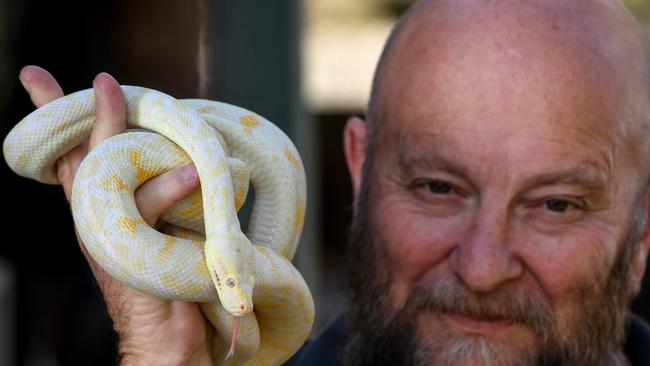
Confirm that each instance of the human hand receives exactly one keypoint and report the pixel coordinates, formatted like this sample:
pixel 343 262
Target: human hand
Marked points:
pixel 151 331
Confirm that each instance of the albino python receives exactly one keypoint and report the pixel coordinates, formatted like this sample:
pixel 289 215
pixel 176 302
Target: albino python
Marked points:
pixel 201 255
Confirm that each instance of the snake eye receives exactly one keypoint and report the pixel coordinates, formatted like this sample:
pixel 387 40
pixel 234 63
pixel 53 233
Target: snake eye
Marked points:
pixel 230 282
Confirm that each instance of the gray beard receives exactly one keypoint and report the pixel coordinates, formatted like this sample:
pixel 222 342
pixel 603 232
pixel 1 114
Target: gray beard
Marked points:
pixel 380 335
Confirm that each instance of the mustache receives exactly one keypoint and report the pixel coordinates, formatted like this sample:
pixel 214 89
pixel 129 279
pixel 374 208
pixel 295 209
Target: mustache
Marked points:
pixel 451 297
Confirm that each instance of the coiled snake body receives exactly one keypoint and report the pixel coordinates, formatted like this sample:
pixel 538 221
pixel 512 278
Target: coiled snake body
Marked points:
pixel 201 248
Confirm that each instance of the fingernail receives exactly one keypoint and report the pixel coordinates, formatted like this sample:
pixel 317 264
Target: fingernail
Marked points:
pixel 189 172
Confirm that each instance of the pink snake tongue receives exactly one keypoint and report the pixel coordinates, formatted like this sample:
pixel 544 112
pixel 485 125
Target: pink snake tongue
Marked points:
pixel 233 342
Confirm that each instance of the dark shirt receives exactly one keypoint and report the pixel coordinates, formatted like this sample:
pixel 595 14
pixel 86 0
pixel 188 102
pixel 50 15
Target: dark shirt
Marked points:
pixel 325 349
pixel 637 346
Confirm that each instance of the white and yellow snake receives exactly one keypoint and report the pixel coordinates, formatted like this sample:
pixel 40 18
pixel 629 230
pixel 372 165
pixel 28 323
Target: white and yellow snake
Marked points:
pixel 202 247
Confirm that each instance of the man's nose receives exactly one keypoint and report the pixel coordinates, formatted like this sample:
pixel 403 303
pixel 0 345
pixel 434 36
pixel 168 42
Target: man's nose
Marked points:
pixel 486 258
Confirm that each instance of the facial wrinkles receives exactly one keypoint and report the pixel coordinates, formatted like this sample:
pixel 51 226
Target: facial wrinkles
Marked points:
pixel 499 177
pixel 481 128
pixel 535 105
pixel 476 155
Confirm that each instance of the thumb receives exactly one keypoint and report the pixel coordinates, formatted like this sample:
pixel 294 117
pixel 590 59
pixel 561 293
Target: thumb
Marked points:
pixel 162 192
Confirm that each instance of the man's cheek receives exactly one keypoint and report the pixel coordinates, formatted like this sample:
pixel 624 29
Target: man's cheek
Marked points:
pixel 563 266
pixel 415 244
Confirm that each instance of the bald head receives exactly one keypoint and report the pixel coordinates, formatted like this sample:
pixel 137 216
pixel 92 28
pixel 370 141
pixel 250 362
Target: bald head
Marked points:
pixel 562 54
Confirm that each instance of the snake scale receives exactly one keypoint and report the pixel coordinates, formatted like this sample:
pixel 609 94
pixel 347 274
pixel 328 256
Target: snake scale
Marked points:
pixel 200 254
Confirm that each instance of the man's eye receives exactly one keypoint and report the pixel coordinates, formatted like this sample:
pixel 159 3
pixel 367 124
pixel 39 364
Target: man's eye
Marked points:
pixel 438 187
pixel 557 205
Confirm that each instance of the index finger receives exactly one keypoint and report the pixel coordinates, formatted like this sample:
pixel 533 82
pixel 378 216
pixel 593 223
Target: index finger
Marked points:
pixel 40 84
pixel 110 109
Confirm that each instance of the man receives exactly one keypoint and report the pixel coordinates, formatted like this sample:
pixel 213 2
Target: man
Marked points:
pixel 501 190
pixel 500 186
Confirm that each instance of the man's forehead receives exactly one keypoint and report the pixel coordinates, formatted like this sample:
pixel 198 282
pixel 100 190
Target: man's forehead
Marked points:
pixel 528 58
pixel 600 25
pixel 469 153
pixel 495 46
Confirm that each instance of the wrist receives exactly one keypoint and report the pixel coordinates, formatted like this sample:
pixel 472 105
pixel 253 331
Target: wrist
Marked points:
pixel 161 347
pixel 171 358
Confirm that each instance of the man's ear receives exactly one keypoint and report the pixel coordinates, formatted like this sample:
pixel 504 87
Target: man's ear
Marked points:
pixel 354 145
pixel 641 258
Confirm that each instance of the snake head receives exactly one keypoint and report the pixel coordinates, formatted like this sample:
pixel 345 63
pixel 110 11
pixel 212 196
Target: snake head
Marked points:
pixel 233 273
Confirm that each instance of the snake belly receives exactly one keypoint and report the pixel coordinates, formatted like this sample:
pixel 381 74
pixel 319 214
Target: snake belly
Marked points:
pixel 229 146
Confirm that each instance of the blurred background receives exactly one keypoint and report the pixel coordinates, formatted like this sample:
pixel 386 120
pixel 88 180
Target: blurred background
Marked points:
pixel 305 65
